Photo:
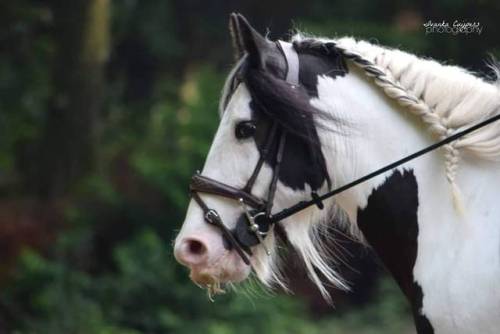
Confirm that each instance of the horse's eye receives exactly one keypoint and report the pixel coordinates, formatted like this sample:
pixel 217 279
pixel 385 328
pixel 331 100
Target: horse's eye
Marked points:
pixel 245 129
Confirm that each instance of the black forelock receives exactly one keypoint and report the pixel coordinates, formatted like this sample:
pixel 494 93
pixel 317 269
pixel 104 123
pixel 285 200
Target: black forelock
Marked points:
pixel 287 104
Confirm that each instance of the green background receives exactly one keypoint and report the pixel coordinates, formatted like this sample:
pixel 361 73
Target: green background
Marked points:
pixel 106 109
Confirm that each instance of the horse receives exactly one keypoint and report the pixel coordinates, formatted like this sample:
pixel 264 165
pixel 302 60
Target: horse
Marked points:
pixel 301 117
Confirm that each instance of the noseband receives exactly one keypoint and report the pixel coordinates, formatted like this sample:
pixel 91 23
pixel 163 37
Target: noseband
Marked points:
pixel 258 211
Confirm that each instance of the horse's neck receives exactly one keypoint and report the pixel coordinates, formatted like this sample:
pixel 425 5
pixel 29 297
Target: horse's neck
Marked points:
pixel 408 216
pixel 370 132
pixel 374 133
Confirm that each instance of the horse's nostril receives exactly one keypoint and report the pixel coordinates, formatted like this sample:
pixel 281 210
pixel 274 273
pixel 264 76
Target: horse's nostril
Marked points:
pixel 191 252
pixel 196 247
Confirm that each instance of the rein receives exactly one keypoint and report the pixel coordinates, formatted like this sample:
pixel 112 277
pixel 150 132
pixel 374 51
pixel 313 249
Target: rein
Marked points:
pixel 285 213
pixel 259 218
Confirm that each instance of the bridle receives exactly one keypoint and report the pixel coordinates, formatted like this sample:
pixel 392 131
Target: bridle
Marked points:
pixel 260 208
pixel 258 211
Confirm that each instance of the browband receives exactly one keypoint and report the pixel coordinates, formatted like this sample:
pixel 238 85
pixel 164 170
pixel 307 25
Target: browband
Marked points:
pixel 292 60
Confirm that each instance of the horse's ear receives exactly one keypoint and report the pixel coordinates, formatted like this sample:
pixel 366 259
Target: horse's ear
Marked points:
pixel 234 30
pixel 251 41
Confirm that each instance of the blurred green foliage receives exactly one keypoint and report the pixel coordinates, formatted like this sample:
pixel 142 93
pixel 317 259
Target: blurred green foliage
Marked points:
pixel 111 268
pixel 144 294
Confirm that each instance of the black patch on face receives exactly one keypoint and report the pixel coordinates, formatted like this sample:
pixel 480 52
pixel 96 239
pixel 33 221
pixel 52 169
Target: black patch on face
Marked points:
pixel 243 233
pixel 313 65
pixel 303 161
pixel 390 225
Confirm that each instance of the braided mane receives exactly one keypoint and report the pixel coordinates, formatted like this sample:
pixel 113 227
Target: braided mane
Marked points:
pixel 446 98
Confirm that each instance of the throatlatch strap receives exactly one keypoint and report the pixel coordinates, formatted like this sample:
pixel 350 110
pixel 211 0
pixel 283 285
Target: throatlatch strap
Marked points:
pixel 263 155
pixel 276 172
pixel 292 59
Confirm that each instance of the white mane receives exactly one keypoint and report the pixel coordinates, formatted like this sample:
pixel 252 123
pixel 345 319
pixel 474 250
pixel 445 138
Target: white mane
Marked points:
pixel 456 97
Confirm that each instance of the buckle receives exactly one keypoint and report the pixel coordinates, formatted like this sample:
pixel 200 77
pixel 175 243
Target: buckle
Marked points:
pixel 253 226
pixel 210 215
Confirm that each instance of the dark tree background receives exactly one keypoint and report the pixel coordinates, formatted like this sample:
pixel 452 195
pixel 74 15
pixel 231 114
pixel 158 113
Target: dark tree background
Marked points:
pixel 107 107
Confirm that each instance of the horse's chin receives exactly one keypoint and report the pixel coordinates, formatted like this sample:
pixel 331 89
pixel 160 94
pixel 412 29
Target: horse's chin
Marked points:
pixel 231 269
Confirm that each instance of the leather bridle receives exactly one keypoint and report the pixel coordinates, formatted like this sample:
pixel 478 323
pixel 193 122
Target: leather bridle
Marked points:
pixel 259 208
pixel 258 211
